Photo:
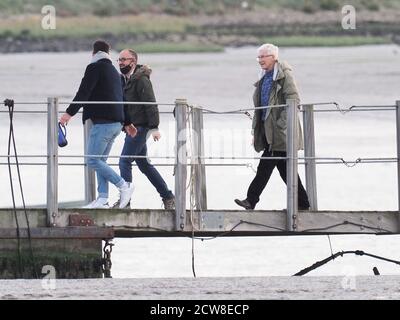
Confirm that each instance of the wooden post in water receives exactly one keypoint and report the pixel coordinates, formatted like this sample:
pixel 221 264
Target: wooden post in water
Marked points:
pixel 181 163
pixel 198 152
pixel 398 155
pixel 52 161
pixel 309 151
pixel 291 164
pixel 90 180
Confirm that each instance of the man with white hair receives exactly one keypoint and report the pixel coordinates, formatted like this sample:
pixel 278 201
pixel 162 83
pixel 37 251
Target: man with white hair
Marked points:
pixel 275 87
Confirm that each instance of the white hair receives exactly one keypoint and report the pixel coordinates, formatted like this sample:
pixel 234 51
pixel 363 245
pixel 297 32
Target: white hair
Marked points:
pixel 270 49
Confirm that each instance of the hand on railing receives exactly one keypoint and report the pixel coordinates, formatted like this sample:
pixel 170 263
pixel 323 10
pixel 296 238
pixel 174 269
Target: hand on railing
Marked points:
pixel 65 118
pixel 131 130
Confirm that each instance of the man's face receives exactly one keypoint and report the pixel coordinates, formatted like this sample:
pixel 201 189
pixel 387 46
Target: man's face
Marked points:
pixel 266 60
pixel 125 58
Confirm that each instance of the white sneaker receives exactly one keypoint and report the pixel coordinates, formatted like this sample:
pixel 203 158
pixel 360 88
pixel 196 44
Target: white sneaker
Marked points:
pixel 125 194
pixel 99 203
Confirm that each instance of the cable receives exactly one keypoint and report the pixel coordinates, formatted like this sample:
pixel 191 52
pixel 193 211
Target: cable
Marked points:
pixel 10 105
pixel 341 253
pixel 225 233
pixel 24 207
pixel 330 244
pixel 262 225
pixel 137 227
pixel 344 223
pixel 242 111
pixel 235 226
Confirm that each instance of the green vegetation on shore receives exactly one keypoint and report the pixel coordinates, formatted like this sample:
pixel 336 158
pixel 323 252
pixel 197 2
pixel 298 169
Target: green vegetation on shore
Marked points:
pixel 154 26
pixel 168 47
pixel 182 7
pixel 324 41
pixel 169 34
pixel 91 26
pixel 289 41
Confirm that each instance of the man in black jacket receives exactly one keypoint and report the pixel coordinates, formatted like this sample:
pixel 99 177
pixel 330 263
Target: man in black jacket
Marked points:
pixel 137 87
pixel 102 82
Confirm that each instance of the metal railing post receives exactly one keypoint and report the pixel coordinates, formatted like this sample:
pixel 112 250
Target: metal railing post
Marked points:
pixel 309 152
pixel 291 164
pixel 181 164
pixel 52 161
pixel 90 180
pixel 198 152
pixel 398 156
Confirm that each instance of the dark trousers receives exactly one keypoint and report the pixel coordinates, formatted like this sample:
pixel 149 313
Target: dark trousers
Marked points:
pixel 137 147
pixel 264 171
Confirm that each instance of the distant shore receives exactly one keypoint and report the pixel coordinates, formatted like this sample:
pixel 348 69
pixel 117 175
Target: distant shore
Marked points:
pixel 23 45
pixel 165 33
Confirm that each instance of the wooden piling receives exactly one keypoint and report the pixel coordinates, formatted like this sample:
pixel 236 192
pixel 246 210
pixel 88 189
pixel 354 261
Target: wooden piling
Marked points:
pixel 291 164
pixel 180 163
pixel 52 161
pixel 90 180
pixel 309 152
pixel 200 187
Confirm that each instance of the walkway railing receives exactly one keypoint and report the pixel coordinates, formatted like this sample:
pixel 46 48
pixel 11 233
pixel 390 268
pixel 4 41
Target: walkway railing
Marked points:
pixel 183 113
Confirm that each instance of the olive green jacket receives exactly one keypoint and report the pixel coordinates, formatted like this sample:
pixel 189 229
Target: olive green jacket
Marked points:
pixel 273 131
pixel 139 89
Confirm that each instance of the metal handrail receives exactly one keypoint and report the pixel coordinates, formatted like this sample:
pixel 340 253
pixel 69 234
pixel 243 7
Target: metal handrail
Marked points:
pixel 180 112
pixel 375 160
pixel 353 108
pixel 98 102
pixel 61 112
pixel 389 160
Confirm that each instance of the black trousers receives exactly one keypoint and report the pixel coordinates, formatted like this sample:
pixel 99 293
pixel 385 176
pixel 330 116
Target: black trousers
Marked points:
pixel 264 171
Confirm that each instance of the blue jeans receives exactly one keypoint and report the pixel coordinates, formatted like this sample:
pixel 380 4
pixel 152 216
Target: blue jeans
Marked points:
pixel 101 139
pixel 137 147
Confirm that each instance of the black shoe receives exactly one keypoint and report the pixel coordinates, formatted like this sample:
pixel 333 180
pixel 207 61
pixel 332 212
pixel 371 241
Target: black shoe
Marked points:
pixel 244 203
pixel 304 208
pixel 169 204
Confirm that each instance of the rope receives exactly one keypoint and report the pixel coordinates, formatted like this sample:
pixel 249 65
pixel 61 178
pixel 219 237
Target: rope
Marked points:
pixel 225 233
pixel 345 222
pixel 11 137
pixel 10 105
pixel 330 243
pixel 242 110
pixel 237 225
pixel 341 253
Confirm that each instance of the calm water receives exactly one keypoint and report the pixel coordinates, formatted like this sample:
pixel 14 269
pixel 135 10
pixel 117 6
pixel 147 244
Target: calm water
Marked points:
pixel 366 75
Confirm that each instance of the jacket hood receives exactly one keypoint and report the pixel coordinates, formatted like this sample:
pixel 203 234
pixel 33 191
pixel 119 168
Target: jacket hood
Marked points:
pixel 99 56
pixel 281 68
pixel 142 70
pixel 279 71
